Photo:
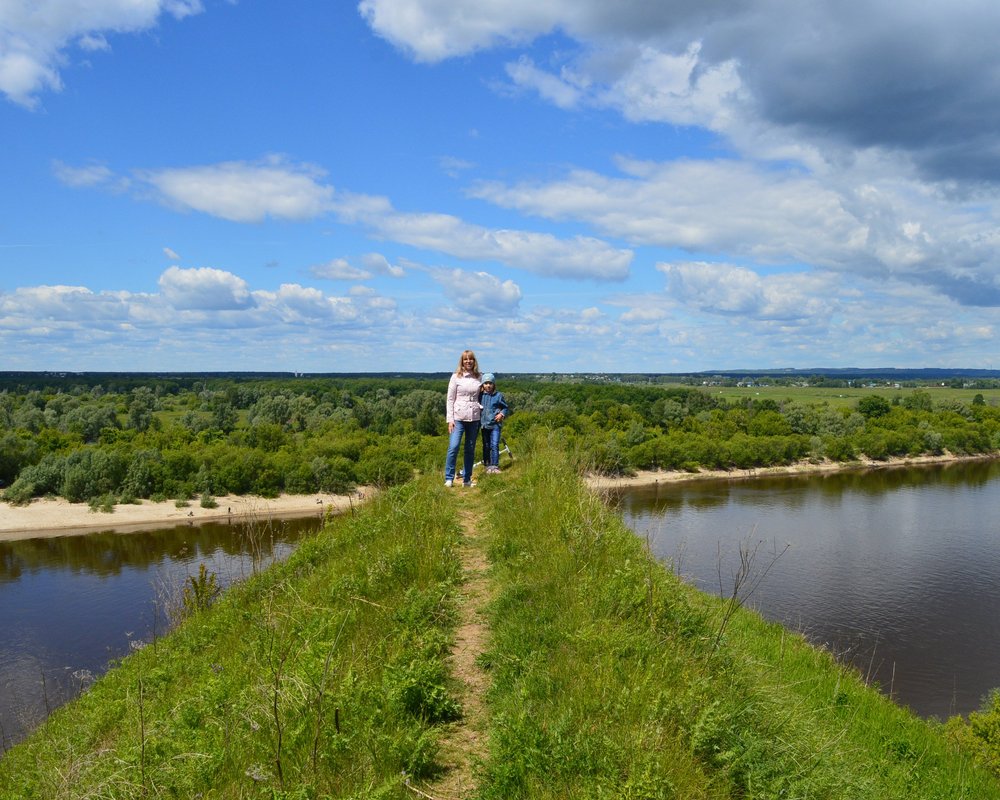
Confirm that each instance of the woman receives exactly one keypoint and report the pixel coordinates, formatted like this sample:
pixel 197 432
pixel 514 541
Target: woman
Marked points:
pixel 463 416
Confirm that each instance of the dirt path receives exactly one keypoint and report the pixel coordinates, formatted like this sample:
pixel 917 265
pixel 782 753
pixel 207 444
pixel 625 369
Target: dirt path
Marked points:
pixel 464 745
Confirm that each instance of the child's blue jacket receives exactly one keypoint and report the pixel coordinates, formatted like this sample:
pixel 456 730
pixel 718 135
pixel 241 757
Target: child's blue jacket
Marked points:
pixel 492 403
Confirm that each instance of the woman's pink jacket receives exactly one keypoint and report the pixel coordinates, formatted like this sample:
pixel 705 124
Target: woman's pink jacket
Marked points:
pixel 463 398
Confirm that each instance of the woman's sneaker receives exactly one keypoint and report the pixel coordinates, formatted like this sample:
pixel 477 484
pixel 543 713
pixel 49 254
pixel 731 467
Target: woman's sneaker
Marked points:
pixel 448 483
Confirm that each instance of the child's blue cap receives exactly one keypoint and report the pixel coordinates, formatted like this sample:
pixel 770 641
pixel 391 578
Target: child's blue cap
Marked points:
pixel 488 378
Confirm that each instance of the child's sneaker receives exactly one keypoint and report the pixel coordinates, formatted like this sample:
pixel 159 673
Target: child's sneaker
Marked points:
pixel 469 485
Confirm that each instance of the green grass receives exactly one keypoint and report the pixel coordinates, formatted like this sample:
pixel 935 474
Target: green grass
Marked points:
pixel 845 397
pixel 326 676
pixel 607 681
pixel 322 677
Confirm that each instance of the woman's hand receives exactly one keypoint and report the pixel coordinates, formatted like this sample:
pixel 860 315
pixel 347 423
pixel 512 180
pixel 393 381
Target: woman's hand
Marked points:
pixel 451 427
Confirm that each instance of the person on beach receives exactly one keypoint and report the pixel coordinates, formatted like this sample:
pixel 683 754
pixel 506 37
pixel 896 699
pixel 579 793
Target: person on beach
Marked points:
pixel 462 414
pixel 494 411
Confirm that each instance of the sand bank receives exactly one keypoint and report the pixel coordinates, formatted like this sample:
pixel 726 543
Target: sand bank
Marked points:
pixel 58 517
pixel 652 477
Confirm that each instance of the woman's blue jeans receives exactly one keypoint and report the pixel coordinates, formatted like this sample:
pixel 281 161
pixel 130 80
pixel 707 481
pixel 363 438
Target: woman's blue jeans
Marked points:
pixel 471 432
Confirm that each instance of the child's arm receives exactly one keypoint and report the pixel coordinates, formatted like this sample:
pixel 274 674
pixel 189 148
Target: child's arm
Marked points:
pixel 503 410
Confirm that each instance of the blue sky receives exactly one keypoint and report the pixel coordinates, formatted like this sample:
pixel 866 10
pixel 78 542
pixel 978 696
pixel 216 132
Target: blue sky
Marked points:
pixel 560 185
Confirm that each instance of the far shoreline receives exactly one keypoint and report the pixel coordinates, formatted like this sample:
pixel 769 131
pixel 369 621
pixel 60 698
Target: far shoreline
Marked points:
pixel 51 517
pixel 643 478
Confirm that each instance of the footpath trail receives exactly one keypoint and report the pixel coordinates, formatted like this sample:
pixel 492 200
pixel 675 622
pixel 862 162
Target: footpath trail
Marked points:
pixel 464 744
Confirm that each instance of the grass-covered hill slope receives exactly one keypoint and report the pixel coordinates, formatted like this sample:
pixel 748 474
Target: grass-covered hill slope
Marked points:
pixel 330 676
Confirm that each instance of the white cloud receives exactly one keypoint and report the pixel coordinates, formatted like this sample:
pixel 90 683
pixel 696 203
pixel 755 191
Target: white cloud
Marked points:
pixel 542 253
pixel 454 166
pixel 37 37
pixel 74 305
pixel 729 289
pixel 674 88
pixel 380 265
pixel 251 192
pixel 92 175
pixel 699 205
pixel 204 289
pixel 339 269
pixel 295 304
pixel 887 226
pixel 208 315
pixel 434 30
pixel 558 90
pixel 646 85
pixel 479 293
pixel 245 192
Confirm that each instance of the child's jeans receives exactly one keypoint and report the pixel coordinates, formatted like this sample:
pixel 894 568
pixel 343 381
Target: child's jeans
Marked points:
pixel 491 446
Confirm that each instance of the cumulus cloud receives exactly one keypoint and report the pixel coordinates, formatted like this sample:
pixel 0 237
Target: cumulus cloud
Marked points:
pixel 241 191
pixel 479 292
pixel 38 37
pixel 89 176
pixel 84 329
pixel 887 226
pixel 698 205
pixel 541 253
pixel 380 265
pixel 454 166
pixel 431 31
pixel 276 188
pixel 68 304
pixel 293 303
pixel 557 89
pixel 653 86
pixel 730 289
pixel 204 289
pixel 923 81
pixel 339 269
pixel 675 88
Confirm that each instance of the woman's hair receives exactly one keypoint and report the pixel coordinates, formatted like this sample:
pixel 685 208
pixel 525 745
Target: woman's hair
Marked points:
pixel 461 367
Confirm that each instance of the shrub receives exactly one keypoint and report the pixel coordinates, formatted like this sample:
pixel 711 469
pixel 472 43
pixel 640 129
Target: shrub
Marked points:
pixel 380 468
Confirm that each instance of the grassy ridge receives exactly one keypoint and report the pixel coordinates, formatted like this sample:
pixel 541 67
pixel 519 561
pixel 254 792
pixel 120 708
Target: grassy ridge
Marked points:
pixel 321 677
pixel 613 679
pixel 326 676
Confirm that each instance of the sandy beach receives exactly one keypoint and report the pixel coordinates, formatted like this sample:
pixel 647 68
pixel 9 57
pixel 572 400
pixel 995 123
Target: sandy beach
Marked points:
pixel 652 477
pixel 58 517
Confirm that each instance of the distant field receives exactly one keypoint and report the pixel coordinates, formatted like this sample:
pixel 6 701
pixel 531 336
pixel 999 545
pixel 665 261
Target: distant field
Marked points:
pixel 848 396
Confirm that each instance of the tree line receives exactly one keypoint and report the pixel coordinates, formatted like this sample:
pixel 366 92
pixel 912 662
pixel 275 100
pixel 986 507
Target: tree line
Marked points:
pixel 126 439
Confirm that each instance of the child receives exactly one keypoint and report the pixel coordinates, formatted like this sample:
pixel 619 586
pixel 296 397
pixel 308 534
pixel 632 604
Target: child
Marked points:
pixel 494 412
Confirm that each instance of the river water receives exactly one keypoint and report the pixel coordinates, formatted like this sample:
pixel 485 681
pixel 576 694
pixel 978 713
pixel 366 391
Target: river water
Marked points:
pixel 895 570
pixel 71 604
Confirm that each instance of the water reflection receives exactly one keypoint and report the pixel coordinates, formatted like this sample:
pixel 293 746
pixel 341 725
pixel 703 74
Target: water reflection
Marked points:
pixel 895 570
pixel 71 604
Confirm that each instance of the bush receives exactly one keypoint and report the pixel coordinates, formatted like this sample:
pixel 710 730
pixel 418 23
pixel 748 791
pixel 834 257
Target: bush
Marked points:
pixel 105 504
pixel 382 469
pixel 874 405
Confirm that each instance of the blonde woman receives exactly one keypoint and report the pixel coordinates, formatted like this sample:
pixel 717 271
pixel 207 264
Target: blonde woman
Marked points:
pixel 462 414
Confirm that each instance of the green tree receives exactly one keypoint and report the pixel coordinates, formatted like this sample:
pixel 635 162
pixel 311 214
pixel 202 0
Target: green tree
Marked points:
pixel 873 406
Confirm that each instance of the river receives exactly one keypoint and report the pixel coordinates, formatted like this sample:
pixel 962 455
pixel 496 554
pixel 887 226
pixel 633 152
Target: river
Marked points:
pixel 896 570
pixel 71 604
